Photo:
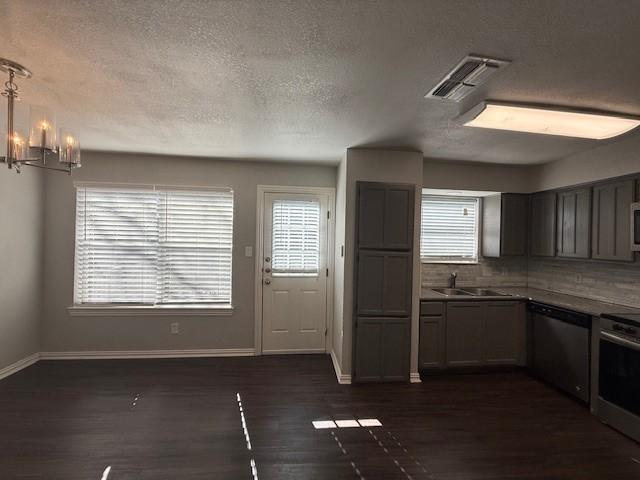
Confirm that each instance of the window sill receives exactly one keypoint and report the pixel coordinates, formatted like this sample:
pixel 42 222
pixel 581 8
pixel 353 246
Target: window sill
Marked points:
pixel 148 311
pixel 451 262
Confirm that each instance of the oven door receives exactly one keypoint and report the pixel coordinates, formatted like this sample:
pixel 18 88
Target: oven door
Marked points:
pixel 619 375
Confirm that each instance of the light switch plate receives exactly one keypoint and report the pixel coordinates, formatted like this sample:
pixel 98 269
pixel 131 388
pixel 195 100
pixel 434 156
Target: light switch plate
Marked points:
pixel 248 251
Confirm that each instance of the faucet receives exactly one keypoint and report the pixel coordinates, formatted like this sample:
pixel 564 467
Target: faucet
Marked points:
pixel 452 279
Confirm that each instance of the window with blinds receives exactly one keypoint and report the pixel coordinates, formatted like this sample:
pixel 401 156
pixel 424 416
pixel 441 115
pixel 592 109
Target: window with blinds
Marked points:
pixel 296 237
pixel 449 230
pixel 153 246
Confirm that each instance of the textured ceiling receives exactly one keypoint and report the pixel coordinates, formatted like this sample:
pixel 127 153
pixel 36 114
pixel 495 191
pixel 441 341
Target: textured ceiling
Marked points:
pixel 304 80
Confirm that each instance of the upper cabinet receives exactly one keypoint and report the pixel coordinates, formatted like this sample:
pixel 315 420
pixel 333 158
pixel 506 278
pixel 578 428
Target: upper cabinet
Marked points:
pixel 504 221
pixel 611 239
pixel 574 223
pixel 542 224
pixel 385 216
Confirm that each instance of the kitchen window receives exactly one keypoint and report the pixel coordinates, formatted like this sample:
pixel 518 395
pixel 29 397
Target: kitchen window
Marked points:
pixel 153 246
pixel 449 229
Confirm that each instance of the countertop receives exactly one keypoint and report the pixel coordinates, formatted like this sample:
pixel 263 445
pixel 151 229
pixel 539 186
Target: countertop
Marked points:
pixel 570 302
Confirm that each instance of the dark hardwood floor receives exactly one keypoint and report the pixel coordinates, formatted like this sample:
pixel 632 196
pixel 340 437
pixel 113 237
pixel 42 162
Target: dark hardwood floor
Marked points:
pixel 180 419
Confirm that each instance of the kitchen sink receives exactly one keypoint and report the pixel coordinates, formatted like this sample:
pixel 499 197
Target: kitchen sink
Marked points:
pixel 451 291
pixel 484 292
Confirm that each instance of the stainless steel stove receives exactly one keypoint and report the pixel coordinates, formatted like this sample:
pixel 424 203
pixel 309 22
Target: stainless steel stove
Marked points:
pixel 619 372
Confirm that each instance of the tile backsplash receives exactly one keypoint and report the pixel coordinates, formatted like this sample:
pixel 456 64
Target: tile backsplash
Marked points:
pixel 488 272
pixel 605 281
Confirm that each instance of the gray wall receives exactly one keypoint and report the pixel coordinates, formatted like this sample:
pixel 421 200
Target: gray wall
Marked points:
pixel 605 161
pixel 456 175
pixel 21 249
pixel 338 298
pixel 64 333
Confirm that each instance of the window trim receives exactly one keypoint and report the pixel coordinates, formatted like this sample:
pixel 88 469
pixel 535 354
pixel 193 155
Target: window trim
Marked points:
pixel 158 309
pixel 94 310
pixel 478 237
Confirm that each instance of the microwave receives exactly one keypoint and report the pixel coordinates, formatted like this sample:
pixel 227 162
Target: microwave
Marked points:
pixel 635 227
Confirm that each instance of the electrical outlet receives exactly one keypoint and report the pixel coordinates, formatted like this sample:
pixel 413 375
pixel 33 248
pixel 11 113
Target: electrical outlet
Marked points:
pixel 175 328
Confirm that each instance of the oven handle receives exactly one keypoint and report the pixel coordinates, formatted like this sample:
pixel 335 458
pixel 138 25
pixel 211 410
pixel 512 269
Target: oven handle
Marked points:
pixel 619 341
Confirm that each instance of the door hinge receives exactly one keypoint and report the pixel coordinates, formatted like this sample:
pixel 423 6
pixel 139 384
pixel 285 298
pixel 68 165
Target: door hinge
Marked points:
pixel 326 330
pixel 327 272
pixel 328 214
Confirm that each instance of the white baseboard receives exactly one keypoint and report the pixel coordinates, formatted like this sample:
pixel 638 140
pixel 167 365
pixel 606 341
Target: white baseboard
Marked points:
pixel 19 365
pixel 343 379
pixel 87 355
pixel 414 377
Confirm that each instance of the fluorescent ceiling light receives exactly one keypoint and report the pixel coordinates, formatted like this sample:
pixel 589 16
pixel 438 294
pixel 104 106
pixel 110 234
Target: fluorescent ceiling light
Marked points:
pixel 547 121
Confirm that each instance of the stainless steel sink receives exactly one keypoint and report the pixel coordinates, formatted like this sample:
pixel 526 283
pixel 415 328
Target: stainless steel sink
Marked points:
pixel 484 292
pixel 451 291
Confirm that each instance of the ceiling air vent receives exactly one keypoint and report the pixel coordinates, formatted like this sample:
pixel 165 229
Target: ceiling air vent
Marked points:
pixel 470 73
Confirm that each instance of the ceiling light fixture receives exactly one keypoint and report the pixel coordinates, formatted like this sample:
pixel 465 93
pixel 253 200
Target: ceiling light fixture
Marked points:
pixel 548 121
pixel 33 145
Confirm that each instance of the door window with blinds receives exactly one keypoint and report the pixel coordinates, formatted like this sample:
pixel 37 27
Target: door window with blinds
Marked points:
pixel 153 246
pixel 296 238
pixel 449 231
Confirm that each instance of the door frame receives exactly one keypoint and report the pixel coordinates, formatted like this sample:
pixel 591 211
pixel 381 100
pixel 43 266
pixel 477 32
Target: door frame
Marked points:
pixel 330 193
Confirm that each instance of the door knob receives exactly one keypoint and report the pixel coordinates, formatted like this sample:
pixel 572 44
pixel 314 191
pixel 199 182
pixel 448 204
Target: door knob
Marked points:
pixel 267 282
pixel 267 270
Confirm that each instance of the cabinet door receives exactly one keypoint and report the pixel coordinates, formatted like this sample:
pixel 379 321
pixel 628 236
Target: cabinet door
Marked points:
pixel 464 334
pixel 513 224
pixel 431 342
pixel 542 225
pixel 382 349
pixel 574 223
pixel 385 216
pixel 504 333
pixel 611 239
pixel 384 283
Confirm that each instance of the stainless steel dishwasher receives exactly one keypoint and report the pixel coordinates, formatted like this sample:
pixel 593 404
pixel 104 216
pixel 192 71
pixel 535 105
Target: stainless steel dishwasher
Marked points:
pixel 560 343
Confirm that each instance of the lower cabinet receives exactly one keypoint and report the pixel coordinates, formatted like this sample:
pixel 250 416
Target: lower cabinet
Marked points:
pixel 504 333
pixel 464 334
pixel 382 352
pixel 473 334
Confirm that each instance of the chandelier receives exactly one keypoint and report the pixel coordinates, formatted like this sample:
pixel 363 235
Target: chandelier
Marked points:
pixel 35 145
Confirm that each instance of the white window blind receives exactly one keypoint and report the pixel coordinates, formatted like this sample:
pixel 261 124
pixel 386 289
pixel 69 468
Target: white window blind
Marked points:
pixel 153 246
pixel 449 230
pixel 296 237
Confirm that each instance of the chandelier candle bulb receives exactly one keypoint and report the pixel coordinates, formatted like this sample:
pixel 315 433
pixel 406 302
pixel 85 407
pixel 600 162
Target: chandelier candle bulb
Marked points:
pixel 43 129
pixel 69 154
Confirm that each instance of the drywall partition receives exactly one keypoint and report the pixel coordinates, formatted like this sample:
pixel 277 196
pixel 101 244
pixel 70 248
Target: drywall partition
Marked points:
pixel 338 314
pixel 148 335
pixel 490 177
pixel 21 241
pixel 378 166
pixel 609 160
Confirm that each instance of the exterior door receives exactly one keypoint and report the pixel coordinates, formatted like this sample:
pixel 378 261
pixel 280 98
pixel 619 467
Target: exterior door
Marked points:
pixel 294 273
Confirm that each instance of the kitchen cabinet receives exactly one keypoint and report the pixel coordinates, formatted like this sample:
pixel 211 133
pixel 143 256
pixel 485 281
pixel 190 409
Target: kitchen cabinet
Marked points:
pixel 385 216
pixel 542 224
pixel 386 356
pixel 383 281
pixel 504 333
pixel 574 223
pixel 611 237
pixel 464 334
pixel 475 333
pixel 432 336
pixel 504 222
